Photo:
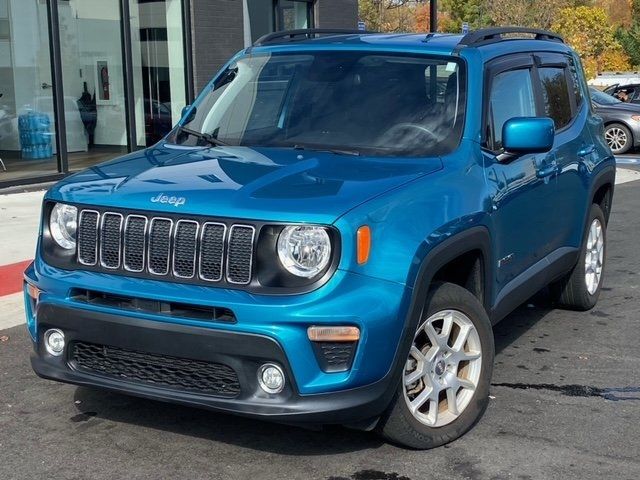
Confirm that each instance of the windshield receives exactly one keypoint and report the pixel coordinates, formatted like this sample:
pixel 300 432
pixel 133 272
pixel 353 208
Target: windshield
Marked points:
pixel 353 102
pixel 602 98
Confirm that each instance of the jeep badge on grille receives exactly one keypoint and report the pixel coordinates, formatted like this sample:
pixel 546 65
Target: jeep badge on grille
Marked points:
pixel 175 201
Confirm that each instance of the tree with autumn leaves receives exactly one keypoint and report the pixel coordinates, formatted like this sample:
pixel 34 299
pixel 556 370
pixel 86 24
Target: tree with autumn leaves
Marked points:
pixel 606 33
pixel 588 31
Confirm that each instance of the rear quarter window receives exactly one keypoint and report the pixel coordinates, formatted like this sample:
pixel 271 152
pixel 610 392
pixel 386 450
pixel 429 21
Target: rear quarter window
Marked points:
pixel 555 95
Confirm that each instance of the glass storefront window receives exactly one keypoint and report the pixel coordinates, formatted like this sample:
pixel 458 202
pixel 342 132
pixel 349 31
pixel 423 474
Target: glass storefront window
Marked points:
pixel 93 77
pixel 294 14
pixel 158 67
pixel 27 126
pixel 268 16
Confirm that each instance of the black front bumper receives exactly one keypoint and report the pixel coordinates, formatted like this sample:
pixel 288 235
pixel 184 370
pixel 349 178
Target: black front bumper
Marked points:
pixel 244 353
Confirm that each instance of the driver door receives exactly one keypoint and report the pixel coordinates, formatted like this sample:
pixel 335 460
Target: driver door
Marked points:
pixel 521 187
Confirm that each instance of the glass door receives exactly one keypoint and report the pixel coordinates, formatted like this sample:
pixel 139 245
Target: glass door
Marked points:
pixel 27 126
pixel 93 78
pixel 158 67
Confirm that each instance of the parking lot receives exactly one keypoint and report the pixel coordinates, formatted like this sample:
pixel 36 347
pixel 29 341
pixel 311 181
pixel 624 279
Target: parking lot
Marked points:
pixel 565 403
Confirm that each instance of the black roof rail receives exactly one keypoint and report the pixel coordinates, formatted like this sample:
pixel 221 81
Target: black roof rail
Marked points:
pixel 290 35
pixel 485 36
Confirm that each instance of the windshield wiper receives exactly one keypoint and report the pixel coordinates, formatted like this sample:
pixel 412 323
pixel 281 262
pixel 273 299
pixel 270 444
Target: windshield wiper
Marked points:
pixel 204 136
pixel 337 151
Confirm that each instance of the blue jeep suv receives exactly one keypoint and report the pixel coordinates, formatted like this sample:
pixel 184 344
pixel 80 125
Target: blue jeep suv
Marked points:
pixel 330 232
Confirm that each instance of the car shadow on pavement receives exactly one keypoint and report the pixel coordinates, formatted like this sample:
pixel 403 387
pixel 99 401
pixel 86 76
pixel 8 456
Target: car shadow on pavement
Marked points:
pixel 262 435
pixel 520 321
pixel 219 427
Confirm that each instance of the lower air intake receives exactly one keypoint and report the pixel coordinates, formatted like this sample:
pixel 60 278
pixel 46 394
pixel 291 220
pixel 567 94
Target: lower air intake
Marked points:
pixel 159 370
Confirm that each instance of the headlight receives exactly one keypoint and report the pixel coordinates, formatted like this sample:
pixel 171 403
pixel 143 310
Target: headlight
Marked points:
pixel 63 224
pixel 304 250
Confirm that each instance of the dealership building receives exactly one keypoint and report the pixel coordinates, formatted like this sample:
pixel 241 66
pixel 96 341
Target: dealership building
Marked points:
pixel 83 81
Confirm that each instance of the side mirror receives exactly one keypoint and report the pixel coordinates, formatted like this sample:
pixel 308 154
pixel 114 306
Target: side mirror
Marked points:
pixel 187 110
pixel 528 135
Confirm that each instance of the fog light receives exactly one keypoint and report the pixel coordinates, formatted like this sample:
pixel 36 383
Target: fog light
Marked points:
pixel 271 378
pixel 54 342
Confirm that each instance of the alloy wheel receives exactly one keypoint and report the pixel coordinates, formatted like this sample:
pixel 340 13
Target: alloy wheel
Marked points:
pixel 594 257
pixel 616 138
pixel 443 368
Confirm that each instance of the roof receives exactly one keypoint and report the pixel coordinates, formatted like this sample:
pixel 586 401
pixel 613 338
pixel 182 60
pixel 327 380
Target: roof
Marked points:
pixel 490 42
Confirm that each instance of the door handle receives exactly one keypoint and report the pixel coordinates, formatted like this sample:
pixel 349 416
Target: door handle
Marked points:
pixel 587 150
pixel 547 171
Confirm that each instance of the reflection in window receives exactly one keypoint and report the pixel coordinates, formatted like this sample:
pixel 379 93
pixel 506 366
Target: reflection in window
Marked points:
pixel 335 100
pixel 555 94
pixel 158 61
pixel 511 96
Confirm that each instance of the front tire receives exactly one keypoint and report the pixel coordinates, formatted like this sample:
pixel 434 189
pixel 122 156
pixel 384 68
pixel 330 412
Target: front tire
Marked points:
pixel 580 289
pixel 444 389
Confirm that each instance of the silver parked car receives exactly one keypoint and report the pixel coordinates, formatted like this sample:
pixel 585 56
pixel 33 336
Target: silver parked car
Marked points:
pixel 621 121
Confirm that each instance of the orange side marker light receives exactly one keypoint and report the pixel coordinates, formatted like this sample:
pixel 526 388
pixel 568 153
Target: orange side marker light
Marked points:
pixel 363 244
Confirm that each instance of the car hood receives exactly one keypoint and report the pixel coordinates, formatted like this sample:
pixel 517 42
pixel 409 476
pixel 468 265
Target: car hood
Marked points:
pixel 240 182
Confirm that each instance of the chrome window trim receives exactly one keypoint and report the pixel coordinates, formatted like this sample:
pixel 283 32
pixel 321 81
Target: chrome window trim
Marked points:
pixel 144 243
pixel 253 234
pixel 171 233
pixel 82 212
pixel 104 215
pixel 195 249
pixel 222 255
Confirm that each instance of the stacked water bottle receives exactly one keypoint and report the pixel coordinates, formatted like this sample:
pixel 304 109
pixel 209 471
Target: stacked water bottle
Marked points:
pixel 35 135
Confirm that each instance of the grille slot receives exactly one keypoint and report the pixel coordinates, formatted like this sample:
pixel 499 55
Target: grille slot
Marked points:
pixel 135 230
pixel 160 245
pixel 88 237
pixel 110 240
pixel 160 370
pixel 175 248
pixel 240 248
pixel 184 252
pixel 212 251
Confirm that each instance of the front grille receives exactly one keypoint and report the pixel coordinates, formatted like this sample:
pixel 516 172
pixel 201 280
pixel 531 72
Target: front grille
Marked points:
pixel 152 369
pixel 175 248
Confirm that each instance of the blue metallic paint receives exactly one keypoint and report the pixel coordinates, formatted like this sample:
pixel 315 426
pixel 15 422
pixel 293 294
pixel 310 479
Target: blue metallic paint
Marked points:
pixel 528 135
pixel 412 205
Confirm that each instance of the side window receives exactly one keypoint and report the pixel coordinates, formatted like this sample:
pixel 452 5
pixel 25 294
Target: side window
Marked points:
pixel 511 96
pixel 555 95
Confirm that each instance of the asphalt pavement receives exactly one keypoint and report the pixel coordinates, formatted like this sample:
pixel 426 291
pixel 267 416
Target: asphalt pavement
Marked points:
pixel 565 404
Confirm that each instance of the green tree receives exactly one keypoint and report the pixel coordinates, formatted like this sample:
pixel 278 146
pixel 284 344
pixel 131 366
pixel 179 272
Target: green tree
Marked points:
pixel 457 12
pixel 588 31
pixel 629 39
pixel 389 15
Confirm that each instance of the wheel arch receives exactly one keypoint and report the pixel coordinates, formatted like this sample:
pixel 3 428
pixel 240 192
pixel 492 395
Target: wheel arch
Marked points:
pixel 602 189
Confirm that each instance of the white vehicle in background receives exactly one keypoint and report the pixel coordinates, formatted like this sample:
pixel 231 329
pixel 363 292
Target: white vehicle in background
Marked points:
pixel 608 79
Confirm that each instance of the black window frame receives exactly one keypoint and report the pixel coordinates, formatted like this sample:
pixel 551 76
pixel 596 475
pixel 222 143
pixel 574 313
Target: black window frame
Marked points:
pixel 532 61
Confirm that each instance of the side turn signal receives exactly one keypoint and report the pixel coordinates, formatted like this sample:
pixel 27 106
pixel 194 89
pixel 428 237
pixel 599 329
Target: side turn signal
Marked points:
pixel 363 241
